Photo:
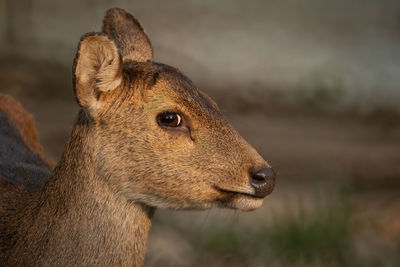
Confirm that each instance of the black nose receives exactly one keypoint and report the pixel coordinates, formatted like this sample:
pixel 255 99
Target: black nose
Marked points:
pixel 263 181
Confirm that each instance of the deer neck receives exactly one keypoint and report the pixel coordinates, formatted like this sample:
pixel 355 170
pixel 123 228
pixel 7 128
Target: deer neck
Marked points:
pixel 87 222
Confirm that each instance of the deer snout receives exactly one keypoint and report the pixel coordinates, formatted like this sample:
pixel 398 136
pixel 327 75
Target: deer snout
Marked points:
pixel 263 181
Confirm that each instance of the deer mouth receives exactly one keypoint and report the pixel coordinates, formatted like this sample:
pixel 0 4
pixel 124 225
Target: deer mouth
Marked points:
pixel 235 193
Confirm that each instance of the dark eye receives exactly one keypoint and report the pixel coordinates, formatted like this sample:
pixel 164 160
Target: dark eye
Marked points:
pixel 169 119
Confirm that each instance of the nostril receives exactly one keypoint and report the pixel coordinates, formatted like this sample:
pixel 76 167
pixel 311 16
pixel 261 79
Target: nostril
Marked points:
pixel 260 176
pixel 263 174
pixel 263 181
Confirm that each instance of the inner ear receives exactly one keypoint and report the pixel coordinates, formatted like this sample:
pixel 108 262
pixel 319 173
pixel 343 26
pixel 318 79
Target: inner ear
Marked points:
pixel 97 68
pixel 128 34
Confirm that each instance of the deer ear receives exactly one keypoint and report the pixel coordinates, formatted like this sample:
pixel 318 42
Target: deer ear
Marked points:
pixel 97 68
pixel 128 34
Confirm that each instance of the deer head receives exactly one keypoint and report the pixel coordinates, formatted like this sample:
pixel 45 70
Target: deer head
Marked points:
pixel 157 139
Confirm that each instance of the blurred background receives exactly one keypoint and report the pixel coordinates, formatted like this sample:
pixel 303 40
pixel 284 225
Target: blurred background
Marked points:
pixel 313 85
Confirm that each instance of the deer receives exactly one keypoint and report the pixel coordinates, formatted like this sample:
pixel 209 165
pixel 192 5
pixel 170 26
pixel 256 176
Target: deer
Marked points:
pixel 145 137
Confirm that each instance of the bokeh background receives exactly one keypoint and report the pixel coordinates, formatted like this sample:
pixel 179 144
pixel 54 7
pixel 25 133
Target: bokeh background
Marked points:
pixel 313 85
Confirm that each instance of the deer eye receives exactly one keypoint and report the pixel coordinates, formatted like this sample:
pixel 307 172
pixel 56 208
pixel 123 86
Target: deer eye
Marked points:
pixel 169 119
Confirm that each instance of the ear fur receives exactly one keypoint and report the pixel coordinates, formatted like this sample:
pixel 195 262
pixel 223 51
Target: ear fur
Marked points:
pixel 97 68
pixel 128 34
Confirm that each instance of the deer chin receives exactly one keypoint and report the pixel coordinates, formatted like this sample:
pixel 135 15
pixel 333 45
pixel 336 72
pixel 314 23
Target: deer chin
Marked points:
pixel 246 203
pixel 239 200
pixel 242 202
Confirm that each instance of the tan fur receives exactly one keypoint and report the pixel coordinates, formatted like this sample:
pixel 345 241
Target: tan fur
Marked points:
pixel 120 164
pixel 98 68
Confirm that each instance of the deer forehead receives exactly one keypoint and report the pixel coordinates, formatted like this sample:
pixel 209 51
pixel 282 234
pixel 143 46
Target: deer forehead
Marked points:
pixel 163 87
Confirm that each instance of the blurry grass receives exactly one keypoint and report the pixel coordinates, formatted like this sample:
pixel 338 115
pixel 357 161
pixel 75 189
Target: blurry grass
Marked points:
pixel 324 91
pixel 320 235
pixel 224 241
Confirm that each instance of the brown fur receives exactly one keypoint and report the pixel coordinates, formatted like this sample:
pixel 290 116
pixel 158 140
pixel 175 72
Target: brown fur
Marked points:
pixel 25 124
pixel 119 164
pixel 126 30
